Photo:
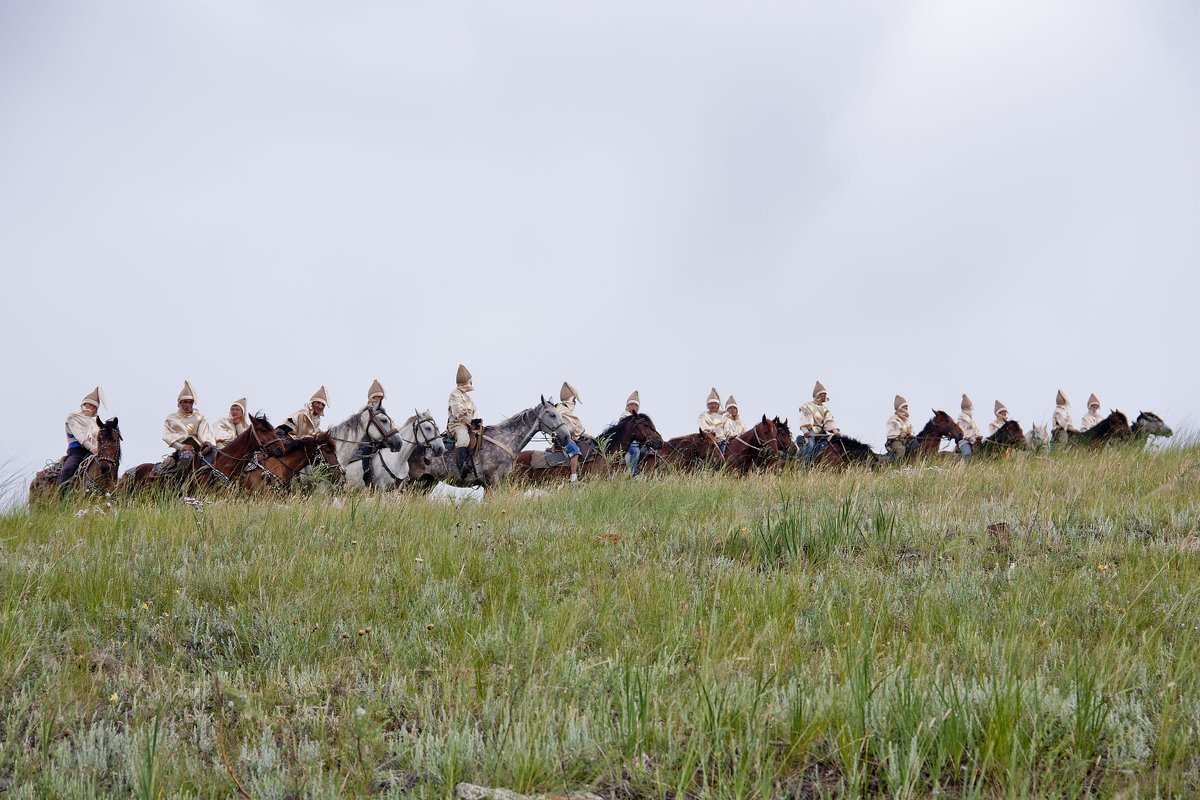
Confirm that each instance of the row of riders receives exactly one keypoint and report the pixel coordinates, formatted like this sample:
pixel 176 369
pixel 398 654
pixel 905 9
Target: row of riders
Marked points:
pixel 368 449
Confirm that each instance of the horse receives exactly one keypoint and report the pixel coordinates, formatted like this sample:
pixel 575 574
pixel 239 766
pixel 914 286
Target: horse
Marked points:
pixel 364 432
pixel 756 447
pixel 496 452
pixel 788 449
pixel 386 469
pixel 592 461
pixel 844 451
pixel 1007 437
pixel 1038 438
pixel 927 443
pixel 1149 424
pixel 693 450
pixel 97 473
pixel 1113 428
pixel 637 427
pixel 276 472
pixel 216 466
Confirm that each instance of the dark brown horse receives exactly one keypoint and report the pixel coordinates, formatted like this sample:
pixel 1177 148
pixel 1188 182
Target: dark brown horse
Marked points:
pixel 1008 437
pixel 98 473
pixel 698 449
pixel 757 447
pixel 845 452
pixel 276 472
pixel 212 467
pixel 616 439
pixel 1113 428
pixel 927 443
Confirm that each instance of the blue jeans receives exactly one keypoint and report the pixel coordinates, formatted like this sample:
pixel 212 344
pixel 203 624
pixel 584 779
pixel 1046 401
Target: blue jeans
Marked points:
pixel 812 447
pixel 572 449
pixel 633 457
pixel 965 448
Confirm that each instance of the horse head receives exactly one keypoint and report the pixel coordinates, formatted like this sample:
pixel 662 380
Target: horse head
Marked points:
pixel 379 426
pixel 944 426
pixel 426 433
pixel 265 435
pixel 550 422
pixel 1150 424
pixel 641 429
pixel 783 437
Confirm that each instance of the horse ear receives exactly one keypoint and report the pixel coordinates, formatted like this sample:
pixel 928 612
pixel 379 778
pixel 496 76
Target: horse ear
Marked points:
pixel 543 399
pixel 764 418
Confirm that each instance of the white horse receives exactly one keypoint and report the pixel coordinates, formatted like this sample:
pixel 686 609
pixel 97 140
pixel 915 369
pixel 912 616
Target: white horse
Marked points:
pixel 389 468
pixel 371 426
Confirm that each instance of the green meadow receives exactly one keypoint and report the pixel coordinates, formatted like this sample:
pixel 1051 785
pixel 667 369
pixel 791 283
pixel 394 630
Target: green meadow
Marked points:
pixel 1018 628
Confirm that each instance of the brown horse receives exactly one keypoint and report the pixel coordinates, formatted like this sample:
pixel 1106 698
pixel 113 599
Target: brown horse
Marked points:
pixel 757 447
pixel 277 472
pixel 926 443
pixel 1113 428
pixel 698 449
pixel 788 449
pixel 1008 437
pixel 212 467
pixel 845 452
pixel 616 439
pixel 591 462
pixel 98 473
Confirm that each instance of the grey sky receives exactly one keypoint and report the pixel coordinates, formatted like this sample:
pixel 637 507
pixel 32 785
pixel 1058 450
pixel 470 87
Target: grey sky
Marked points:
pixel 926 198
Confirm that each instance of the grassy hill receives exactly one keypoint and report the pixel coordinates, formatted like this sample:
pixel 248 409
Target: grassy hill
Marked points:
pixel 1017 628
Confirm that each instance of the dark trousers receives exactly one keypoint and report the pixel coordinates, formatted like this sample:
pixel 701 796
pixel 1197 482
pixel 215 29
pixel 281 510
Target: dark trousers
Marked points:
pixel 75 457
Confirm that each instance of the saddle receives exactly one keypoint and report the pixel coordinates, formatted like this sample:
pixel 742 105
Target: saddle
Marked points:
pixel 52 470
pixel 556 456
pixel 474 431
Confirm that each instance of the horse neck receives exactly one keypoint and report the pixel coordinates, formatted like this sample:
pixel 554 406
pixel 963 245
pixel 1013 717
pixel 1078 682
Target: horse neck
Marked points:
pixel 238 449
pixel 516 431
pixel 347 435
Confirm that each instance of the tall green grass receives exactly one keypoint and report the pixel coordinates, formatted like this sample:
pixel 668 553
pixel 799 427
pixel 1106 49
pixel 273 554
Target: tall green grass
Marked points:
pixel 1019 628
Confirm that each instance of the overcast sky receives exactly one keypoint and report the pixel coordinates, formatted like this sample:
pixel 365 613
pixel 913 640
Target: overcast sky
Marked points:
pixel 926 198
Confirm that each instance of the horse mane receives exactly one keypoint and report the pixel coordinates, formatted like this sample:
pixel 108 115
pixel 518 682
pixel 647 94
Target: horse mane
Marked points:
pixel 617 428
pixel 852 444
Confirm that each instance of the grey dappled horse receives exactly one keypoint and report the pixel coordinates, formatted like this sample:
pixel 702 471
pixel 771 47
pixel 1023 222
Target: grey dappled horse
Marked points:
pixel 501 443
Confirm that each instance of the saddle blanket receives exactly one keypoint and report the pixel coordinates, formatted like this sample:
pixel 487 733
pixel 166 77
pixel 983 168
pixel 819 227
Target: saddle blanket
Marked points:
pixel 547 459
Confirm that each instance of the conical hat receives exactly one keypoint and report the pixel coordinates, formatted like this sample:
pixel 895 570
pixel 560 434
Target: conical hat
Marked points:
pixel 319 396
pixel 818 389
pixel 967 405
pixel 567 392
pixel 714 396
pixel 899 403
pixel 1093 400
pixel 634 399
pixel 185 393
pixel 376 391
pixel 1000 407
pixel 463 376
pixel 1061 398
pixel 731 403
pixel 241 402
pixel 92 397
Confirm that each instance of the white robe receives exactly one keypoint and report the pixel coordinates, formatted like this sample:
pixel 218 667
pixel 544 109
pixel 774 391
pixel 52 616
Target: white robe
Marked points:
pixel 996 425
pixel 899 428
pixel 304 422
pixel 734 427
pixel 83 429
pixel 817 418
pixel 966 421
pixel 1089 421
pixel 226 430
pixel 713 422
pixel 1062 420
pixel 177 427
pixel 574 424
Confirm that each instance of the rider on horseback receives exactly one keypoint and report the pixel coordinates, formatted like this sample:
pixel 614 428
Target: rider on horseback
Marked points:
pixel 966 421
pixel 567 398
pixel 816 423
pixel 306 421
pixel 633 455
pixel 712 420
pixel 462 418
pixel 899 430
pixel 229 428
pixel 1001 418
pixel 82 436
pixel 185 429
pixel 734 426
pixel 1061 425
pixel 1092 417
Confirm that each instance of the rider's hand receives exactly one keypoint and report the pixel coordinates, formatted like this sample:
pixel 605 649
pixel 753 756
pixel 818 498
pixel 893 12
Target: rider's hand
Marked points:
pixel 187 448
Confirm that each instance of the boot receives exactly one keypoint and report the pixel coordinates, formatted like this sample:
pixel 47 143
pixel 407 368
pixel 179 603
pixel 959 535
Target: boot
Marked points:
pixel 462 457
